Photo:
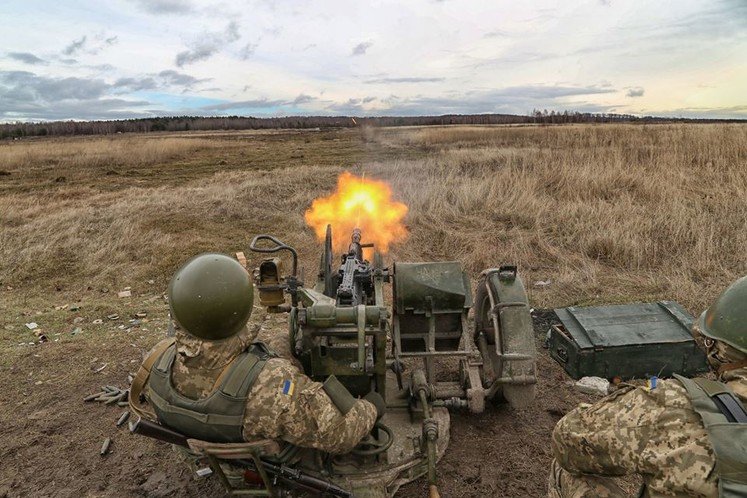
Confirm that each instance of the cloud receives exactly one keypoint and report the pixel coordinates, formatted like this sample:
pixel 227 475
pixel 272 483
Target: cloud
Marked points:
pixel 496 33
pixel 540 92
pixel 165 6
pixel 209 45
pixel 111 108
pixel 153 81
pixel 403 80
pixel 54 89
pixel 92 46
pixel 263 103
pixel 172 77
pixel 101 67
pixel 136 84
pixel 720 19
pixel 75 46
pixel 303 99
pixel 248 50
pixel 232 32
pixel 31 96
pixel 637 91
pixel 353 106
pixel 26 58
pixel 361 48
pixel 244 104
pixel 198 53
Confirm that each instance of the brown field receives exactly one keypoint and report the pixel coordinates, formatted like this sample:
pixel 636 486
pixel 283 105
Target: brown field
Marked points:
pixel 606 213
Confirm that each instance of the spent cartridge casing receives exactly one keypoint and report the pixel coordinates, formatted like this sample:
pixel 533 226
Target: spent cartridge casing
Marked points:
pixel 105 446
pixel 123 418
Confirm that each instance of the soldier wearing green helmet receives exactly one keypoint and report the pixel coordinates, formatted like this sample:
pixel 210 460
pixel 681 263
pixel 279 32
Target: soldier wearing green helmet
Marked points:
pixel 685 437
pixel 211 297
pixel 215 382
pixel 724 327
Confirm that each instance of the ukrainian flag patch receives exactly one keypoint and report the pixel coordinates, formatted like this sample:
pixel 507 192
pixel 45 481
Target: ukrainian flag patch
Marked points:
pixel 288 387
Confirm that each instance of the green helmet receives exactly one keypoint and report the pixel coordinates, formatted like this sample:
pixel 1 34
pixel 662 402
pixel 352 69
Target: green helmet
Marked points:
pixel 726 319
pixel 211 296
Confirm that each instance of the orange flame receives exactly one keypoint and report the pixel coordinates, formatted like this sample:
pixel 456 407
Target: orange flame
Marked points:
pixel 361 203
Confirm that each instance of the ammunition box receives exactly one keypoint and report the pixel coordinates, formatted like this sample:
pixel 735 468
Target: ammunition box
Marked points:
pixel 626 341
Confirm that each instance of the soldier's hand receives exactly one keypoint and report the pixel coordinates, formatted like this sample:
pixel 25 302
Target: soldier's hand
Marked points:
pixel 375 399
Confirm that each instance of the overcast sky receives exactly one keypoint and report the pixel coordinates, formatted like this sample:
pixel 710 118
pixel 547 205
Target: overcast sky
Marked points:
pixel 139 58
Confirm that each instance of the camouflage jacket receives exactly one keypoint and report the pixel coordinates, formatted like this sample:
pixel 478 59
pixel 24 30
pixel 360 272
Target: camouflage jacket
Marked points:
pixel 283 404
pixel 655 433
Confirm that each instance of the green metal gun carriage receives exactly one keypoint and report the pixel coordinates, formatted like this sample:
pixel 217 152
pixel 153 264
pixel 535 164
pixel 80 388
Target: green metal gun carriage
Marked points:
pixel 343 327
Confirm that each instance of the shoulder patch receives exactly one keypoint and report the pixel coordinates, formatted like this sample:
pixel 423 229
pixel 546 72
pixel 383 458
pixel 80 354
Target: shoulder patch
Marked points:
pixel 288 387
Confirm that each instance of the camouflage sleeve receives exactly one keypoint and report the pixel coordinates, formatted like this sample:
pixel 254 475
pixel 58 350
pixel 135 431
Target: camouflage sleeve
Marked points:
pixel 583 440
pixel 635 430
pixel 285 404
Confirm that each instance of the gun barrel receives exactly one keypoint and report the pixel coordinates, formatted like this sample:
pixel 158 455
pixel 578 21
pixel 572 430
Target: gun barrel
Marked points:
pixel 355 248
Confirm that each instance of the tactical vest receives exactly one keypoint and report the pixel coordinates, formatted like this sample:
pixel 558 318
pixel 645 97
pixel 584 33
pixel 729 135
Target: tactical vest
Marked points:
pixel 725 420
pixel 219 416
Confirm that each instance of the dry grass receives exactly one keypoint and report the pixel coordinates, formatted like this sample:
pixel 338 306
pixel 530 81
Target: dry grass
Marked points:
pixel 608 213
pixel 97 152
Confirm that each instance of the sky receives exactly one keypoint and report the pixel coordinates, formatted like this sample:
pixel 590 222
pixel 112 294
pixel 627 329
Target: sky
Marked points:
pixel 143 58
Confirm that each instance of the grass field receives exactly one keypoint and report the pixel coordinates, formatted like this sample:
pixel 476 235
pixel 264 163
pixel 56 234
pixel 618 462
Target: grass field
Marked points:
pixel 605 213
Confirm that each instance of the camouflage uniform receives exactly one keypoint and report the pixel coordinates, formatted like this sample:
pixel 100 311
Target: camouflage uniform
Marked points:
pixel 304 417
pixel 655 433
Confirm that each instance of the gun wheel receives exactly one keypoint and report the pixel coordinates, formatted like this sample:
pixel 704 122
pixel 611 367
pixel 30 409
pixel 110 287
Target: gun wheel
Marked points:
pixel 503 338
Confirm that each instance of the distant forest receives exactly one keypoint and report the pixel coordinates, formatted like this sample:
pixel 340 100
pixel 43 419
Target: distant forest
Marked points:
pixel 186 123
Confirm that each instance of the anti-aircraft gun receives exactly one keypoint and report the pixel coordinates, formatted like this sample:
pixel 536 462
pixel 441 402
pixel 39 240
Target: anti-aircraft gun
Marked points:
pixel 343 327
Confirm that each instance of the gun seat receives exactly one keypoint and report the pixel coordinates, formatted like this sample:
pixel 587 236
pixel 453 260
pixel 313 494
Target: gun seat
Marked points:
pixel 215 452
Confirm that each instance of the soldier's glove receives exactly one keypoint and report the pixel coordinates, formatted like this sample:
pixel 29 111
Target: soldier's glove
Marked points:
pixel 375 399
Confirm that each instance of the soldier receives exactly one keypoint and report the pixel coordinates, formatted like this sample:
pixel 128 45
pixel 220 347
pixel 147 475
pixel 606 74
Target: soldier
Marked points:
pixel 684 437
pixel 212 381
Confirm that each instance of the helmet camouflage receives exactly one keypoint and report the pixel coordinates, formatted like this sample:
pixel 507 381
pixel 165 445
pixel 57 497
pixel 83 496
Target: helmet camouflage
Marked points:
pixel 211 296
pixel 726 319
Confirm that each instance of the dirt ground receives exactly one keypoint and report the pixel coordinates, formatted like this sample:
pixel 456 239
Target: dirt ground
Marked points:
pixel 51 438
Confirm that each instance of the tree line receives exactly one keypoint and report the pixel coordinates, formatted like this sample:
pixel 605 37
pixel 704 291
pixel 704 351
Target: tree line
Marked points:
pixel 187 123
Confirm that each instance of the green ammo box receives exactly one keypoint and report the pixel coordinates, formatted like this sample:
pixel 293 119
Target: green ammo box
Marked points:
pixel 626 341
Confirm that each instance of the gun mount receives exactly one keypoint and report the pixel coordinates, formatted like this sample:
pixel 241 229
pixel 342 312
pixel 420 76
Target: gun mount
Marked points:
pixel 343 327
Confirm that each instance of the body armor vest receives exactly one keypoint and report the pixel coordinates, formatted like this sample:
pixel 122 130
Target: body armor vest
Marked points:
pixel 217 417
pixel 724 419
